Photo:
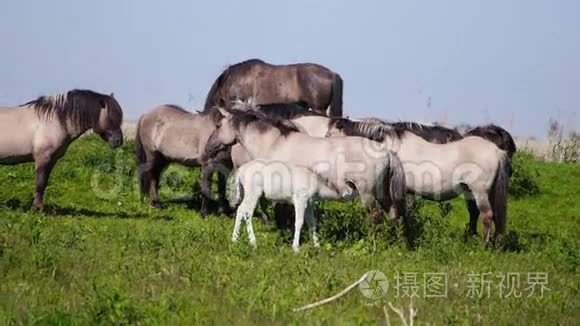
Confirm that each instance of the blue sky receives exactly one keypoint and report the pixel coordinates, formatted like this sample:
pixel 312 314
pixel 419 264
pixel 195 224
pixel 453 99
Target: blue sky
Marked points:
pixel 516 63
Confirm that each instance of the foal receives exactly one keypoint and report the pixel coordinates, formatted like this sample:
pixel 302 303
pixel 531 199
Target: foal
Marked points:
pixel 284 182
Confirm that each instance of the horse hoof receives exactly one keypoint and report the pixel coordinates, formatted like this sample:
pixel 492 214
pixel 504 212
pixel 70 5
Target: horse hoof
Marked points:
pixel 156 205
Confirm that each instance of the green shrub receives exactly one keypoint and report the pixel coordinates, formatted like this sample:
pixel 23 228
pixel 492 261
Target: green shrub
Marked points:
pixel 523 181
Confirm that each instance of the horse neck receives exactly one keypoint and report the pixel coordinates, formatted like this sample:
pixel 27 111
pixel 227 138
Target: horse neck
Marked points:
pixel 257 144
pixel 313 125
pixel 74 131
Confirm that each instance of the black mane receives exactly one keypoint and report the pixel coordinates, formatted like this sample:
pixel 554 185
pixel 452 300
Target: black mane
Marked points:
pixel 244 119
pixel 497 135
pixel 373 131
pixel 81 107
pixel 434 134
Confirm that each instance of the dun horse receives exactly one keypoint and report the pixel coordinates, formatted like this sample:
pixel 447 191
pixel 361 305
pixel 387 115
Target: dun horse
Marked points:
pixel 169 134
pixel 345 162
pixel 442 135
pixel 282 182
pixel 314 85
pixel 41 130
pixel 472 165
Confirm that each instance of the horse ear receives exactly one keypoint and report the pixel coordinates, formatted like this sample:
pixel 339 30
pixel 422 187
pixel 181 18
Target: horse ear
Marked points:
pixel 112 94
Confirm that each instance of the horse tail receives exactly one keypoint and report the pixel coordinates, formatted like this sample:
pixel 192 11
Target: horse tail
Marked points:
pixel 235 190
pixel 394 180
pixel 336 99
pixel 499 193
pixel 142 176
pixel 212 96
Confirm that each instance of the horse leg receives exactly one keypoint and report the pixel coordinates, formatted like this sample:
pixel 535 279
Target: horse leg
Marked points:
pixel 376 215
pixel 241 212
pixel 43 167
pixel 206 174
pixel 248 220
pixel 473 213
pixel 300 204
pixel 484 206
pixel 311 220
pixel 223 206
pixel 158 165
pixel 263 208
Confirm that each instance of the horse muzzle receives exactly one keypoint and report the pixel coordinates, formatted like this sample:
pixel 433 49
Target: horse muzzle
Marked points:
pixel 115 141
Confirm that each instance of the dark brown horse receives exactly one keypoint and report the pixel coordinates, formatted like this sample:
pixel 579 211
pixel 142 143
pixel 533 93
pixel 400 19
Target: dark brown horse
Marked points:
pixel 41 130
pixel 315 86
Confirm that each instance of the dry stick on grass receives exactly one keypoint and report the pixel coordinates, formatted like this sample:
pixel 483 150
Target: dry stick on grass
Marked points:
pixel 401 314
pixel 327 300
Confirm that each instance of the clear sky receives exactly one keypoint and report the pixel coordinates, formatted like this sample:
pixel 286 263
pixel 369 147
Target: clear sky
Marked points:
pixel 513 62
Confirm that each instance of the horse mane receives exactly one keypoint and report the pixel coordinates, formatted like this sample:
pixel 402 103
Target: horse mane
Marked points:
pixel 248 104
pixel 373 131
pixel 375 120
pixel 426 131
pixel 81 107
pixel 496 134
pixel 244 119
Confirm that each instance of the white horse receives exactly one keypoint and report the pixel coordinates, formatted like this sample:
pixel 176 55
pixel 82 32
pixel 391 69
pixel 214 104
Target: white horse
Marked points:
pixel 282 182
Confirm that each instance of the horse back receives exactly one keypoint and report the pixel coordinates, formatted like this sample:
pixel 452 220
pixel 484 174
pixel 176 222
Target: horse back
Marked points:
pixel 22 132
pixel 175 133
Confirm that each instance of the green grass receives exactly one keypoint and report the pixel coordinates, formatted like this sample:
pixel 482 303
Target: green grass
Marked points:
pixel 100 256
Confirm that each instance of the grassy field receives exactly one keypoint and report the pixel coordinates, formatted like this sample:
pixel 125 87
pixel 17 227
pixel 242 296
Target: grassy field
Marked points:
pixel 97 255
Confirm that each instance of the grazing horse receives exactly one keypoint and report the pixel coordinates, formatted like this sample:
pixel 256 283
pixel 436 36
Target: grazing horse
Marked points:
pixel 472 165
pixel 440 135
pixel 346 162
pixel 41 130
pixel 314 85
pixel 169 134
pixel 282 182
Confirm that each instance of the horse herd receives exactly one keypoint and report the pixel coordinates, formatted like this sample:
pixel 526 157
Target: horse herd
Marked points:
pixel 269 124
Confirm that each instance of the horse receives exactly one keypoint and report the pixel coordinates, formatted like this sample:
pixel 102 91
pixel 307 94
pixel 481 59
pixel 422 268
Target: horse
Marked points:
pixel 41 130
pixel 314 85
pixel 343 161
pixel 441 135
pixel 282 182
pixel 472 165
pixel 235 156
pixel 170 134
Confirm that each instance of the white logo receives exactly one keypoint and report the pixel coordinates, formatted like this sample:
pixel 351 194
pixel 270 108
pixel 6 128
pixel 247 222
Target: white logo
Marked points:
pixel 375 285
